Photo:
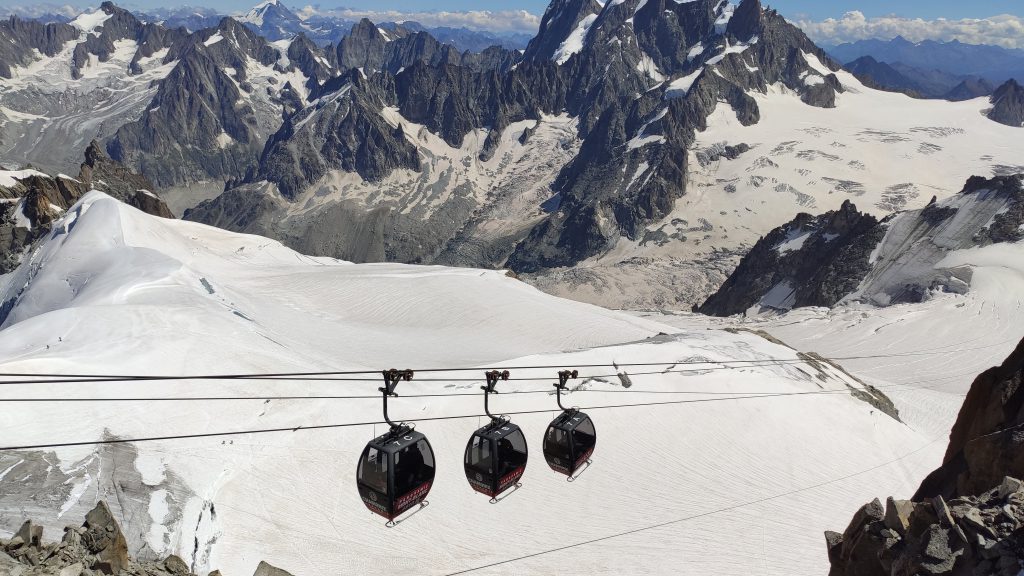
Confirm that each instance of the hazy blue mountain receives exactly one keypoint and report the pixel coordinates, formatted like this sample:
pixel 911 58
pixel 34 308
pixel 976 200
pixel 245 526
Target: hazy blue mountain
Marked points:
pixel 898 77
pixel 993 63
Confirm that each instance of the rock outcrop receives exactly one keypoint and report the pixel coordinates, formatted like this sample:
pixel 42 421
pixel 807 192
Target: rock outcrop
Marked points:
pixel 967 518
pixel 987 441
pixel 845 254
pixel 967 535
pixel 96 548
pixel 1008 104
pixel 812 261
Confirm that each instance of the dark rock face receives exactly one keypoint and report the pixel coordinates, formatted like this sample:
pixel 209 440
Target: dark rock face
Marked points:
pixel 265 569
pixel 976 534
pixel 600 201
pixel 100 172
pixel 1008 104
pixel 372 49
pixel 104 539
pixel 987 441
pixel 617 79
pixel 968 516
pixel 560 20
pixel 818 261
pixel 98 545
pixel 180 136
pixel 348 132
pixel 18 39
pixel 812 261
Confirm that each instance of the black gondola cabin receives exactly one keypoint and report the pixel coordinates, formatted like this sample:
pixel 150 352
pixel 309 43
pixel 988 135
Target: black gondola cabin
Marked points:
pixel 496 458
pixel 569 442
pixel 395 472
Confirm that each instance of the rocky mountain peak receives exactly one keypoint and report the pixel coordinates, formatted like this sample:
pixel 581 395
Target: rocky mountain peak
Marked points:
pixel 811 261
pixel 1008 104
pixel 272 19
pixel 563 21
pixel 969 89
pixel 364 47
pixel 747 20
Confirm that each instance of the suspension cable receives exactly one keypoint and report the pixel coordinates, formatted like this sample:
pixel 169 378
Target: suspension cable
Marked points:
pixel 429 419
pixel 305 375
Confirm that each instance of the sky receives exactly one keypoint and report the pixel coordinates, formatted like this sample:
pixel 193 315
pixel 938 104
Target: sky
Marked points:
pixel 998 22
pixel 815 9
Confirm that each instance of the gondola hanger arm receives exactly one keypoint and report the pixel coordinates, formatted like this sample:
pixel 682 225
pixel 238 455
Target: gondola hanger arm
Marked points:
pixel 391 379
pixel 563 377
pixel 493 377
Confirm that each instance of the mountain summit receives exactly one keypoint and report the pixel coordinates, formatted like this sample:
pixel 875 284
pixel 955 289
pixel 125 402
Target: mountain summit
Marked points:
pixel 272 20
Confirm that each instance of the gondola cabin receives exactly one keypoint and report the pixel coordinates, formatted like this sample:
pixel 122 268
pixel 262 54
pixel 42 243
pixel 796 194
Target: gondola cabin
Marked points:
pixel 496 458
pixel 395 472
pixel 569 442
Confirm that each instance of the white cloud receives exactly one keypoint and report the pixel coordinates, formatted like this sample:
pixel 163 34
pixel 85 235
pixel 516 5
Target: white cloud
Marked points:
pixel 1004 30
pixel 37 10
pixel 494 21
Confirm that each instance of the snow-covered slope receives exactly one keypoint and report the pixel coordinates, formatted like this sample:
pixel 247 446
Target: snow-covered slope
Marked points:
pixel 116 291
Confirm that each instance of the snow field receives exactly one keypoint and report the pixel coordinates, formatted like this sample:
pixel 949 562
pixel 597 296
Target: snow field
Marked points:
pixel 115 290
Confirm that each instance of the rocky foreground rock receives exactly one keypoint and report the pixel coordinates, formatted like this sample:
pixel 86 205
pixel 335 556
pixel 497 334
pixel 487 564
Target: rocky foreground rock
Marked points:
pixel 96 547
pixel 968 516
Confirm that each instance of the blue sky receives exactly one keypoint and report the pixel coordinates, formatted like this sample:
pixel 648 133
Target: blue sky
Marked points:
pixel 795 9
pixel 815 9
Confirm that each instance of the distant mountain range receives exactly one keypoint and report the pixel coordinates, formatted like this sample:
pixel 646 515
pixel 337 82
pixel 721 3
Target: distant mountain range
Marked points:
pixel 898 77
pixel 993 63
pixel 275 21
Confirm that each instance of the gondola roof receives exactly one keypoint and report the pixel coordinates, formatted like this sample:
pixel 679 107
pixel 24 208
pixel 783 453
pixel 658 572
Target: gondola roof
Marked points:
pixel 497 431
pixel 392 442
pixel 568 420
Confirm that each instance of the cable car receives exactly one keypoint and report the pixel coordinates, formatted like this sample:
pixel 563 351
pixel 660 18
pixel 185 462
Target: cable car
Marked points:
pixel 570 439
pixel 496 454
pixel 396 469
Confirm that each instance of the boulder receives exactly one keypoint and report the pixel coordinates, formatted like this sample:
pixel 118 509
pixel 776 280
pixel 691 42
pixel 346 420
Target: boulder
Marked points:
pixel 265 569
pixel 104 539
pixel 897 515
pixel 15 543
pixel 176 566
pixel 72 570
pixel 31 534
